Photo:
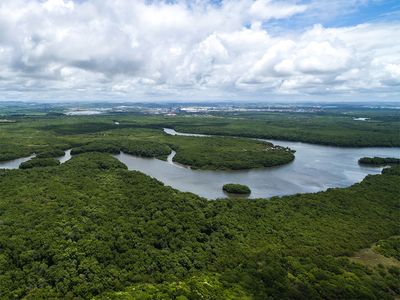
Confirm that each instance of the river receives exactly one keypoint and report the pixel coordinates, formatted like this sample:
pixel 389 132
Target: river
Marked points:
pixel 14 164
pixel 315 168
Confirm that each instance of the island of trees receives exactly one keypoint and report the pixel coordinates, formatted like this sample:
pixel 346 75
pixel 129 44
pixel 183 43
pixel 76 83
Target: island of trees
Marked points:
pixel 239 189
pixel 379 161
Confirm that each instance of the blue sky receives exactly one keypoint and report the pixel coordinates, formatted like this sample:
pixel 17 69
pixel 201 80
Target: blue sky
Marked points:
pixel 339 14
pixel 342 13
pixel 141 50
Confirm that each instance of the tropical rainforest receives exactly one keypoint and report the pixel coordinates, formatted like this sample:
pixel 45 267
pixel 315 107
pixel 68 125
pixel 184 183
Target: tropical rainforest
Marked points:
pixel 91 229
pixel 48 136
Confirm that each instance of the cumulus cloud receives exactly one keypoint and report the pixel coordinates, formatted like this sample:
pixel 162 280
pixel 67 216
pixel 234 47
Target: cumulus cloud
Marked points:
pixel 122 49
pixel 267 9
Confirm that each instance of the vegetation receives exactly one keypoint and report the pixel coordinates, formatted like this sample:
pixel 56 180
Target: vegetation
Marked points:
pixel 83 135
pixel 333 126
pixel 139 148
pixel 233 188
pixel 146 149
pixel 228 153
pixel 9 152
pixel 379 161
pixel 98 146
pixel 389 247
pixel 335 130
pixel 37 162
pixel 51 153
pixel 90 227
pixel 394 170
pixel 203 286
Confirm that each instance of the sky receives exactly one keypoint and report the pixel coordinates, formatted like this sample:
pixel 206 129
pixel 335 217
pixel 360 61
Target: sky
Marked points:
pixel 200 50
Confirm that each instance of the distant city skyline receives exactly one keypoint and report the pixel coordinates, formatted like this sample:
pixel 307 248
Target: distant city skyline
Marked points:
pixel 238 50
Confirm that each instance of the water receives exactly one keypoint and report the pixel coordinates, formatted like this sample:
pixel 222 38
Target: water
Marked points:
pixel 315 168
pixel 14 164
pixel 67 156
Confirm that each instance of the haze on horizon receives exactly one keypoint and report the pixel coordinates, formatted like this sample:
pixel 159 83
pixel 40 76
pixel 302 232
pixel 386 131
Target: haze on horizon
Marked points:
pixel 256 50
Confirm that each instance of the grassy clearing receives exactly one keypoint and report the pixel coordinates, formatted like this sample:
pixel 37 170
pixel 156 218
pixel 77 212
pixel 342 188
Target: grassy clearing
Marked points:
pixel 371 258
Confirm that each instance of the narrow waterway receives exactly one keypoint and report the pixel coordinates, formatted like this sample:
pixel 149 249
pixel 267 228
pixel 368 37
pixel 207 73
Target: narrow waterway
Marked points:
pixel 15 163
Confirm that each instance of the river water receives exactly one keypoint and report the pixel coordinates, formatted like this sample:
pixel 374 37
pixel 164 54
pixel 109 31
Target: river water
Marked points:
pixel 315 168
pixel 14 164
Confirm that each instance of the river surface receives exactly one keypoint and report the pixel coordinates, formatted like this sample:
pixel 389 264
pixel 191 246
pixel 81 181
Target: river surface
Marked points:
pixel 14 164
pixel 315 168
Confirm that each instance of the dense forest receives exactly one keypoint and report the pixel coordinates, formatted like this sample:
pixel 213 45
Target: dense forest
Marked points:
pixel 326 129
pixel 379 161
pixel 91 228
pixel 25 135
pixel 235 188
pixel 28 136
pixel 389 247
pixel 37 162
pixel 228 153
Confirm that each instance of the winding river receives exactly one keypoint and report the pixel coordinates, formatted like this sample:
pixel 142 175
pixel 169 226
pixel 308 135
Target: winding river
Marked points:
pixel 315 168
pixel 14 164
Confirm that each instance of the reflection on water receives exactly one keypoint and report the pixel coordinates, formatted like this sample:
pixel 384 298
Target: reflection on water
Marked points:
pixel 67 156
pixel 315 168
pixel 14 164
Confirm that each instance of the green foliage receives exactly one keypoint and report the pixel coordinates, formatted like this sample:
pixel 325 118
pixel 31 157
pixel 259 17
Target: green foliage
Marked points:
pixel 379 161
pixel 335 129
pixel 97 146
pixel 90 226
pixel 146 149
pixel 389 247
pixel 236 188
pixel 80 128
pixel 228 153
pixel 95 161
pixel 50 153
pixel 394 170
pixel 137 147
pixel 12 151
pixel 207 286
pixel 37 162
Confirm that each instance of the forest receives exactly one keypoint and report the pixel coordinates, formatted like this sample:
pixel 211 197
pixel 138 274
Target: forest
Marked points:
pixel 379 161
pixel 91 229
pixel 48 137
pixel 235 188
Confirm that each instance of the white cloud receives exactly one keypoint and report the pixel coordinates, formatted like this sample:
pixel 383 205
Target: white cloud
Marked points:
pixel 141 49
pixel 267 9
